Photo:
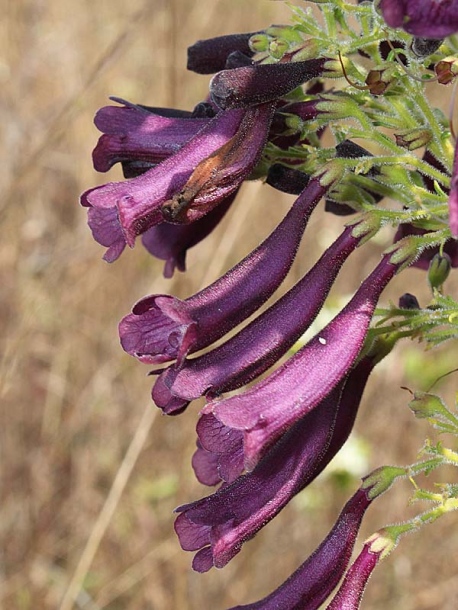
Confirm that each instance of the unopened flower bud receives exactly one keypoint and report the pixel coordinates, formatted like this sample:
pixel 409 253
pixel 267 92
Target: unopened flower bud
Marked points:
pixel 408 301
pixel 307 50
pixel 259 43
pixel 423 47
pixel 278 47
pixel 447 70
pixel 439 268
pixel 413 138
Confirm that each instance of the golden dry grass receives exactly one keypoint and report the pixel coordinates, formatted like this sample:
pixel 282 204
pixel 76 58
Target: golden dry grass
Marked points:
pixel 90 472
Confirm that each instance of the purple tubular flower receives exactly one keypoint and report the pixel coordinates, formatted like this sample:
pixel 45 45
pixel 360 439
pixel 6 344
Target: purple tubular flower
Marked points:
pixel 453 197
pixel 170 242
pixel 162 328
pixel 132 133
pixel 422 18
pixel 260 344
pixel 210 55
pixel 222 172
pixel 350 593
pixel 186 185
pixel 316 578
pixel 227 459
pixel 219 524
pixel 272 405
pixel 260 83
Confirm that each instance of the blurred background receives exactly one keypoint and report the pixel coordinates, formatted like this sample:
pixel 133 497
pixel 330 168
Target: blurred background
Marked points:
pixel 90 471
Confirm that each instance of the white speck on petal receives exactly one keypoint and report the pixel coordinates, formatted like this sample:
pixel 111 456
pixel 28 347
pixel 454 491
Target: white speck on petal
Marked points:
pixel 322 340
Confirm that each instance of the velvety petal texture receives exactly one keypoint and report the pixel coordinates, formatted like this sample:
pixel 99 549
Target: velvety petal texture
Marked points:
pixel 132 133
pixel 162 328
pixel 260 83
pixel 260 344
pixel 316 578
pixel 223 171
pixel 236 512
pixel 210 55
pixel 423 18
pixel 267 409
pixel 227 443
pixel 139 201
pixel 351 591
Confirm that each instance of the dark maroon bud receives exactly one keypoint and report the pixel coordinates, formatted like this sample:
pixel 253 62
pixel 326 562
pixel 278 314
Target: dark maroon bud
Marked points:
pixel 209 56
pixel 432 160
pixel 287 179
pixel 337 208
pixel 259 83
pixel 237 59
pixel 423 47
pixel 408 301
pixel 349 150
pixel 422 18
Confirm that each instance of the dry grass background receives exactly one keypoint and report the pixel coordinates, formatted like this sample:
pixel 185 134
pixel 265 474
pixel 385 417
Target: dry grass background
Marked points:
pixel 90 472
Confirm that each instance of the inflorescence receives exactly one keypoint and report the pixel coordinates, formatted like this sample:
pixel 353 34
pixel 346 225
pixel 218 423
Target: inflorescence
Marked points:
pixel 363 75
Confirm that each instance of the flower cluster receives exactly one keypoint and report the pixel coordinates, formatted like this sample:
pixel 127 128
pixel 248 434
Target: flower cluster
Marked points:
pixel 269 102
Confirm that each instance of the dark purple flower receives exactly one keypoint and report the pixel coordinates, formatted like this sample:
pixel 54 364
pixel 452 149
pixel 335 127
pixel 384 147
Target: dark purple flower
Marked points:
pixel 350 593
pixel 271 406
pixel 422 18
pixel 224 445
pixel 259 345
pixel 162 327
pixel 260 83
pixel 316 578
pixel 188 184
pixel 132 133
pixel 170 242
pixel 210 55
pixel 219 524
